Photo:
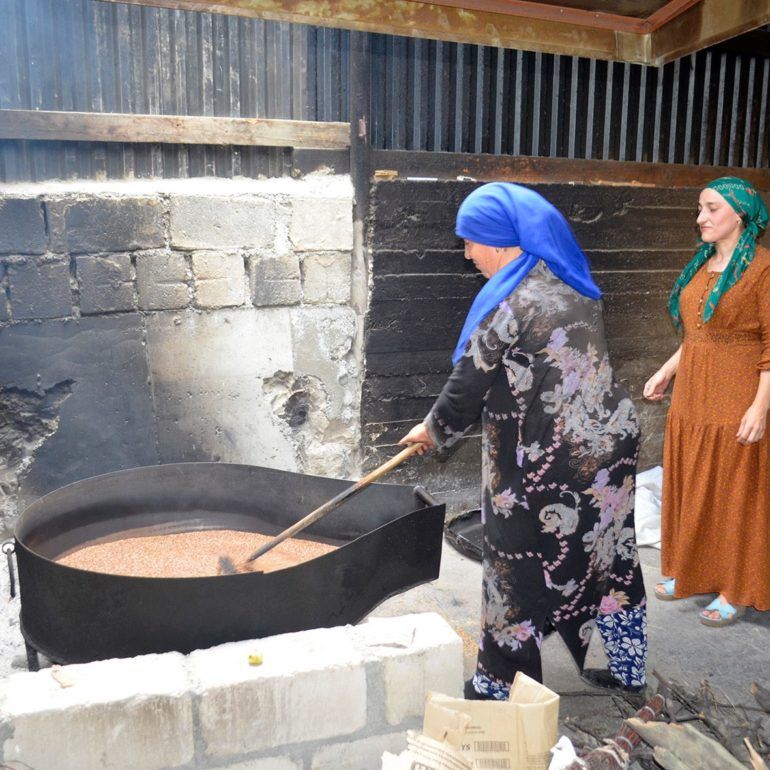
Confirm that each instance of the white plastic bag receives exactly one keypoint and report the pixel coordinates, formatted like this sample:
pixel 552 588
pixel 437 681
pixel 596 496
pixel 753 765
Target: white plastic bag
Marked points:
pixel 649 488
pixel 563 754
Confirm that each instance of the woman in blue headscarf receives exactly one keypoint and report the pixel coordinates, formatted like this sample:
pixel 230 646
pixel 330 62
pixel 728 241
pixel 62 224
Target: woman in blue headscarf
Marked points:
pixel 559 448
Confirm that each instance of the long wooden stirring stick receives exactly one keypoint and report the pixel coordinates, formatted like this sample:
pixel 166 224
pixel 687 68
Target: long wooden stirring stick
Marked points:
pixel 227 566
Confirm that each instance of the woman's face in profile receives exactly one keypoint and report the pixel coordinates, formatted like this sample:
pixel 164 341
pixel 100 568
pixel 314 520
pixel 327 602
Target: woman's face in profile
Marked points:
pixel 717 219
pixel 486 258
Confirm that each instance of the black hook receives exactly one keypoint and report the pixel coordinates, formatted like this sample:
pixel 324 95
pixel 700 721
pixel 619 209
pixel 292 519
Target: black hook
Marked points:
pixel 9 549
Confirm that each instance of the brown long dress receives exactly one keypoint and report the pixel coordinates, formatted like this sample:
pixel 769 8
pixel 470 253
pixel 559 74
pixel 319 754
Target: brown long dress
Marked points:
pixel 716 492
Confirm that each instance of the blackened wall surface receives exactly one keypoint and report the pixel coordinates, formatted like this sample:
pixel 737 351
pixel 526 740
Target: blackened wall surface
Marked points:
pixel 637 240
pixel 146 322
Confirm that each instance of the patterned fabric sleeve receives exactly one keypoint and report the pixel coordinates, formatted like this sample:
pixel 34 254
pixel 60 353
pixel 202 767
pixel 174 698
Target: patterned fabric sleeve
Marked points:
pixel 463 396
pixel 763 313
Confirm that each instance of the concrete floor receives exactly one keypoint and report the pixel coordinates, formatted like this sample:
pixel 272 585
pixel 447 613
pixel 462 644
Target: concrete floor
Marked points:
pixel 680 646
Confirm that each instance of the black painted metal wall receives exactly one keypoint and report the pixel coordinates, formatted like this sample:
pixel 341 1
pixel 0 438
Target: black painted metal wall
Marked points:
pixel 637 240
pixel 710 108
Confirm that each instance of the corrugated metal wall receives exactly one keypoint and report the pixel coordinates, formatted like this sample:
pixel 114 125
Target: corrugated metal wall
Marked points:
pixel 90 56
pixel 710 108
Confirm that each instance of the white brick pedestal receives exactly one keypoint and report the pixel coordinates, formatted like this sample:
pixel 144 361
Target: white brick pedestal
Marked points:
pixel 327 699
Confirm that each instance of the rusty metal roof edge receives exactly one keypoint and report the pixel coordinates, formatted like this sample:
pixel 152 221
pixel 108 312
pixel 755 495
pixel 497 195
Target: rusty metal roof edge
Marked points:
pixel 696 25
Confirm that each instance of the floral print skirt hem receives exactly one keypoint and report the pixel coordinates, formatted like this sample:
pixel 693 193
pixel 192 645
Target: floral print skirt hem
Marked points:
pixel 491 688
pixel 624 635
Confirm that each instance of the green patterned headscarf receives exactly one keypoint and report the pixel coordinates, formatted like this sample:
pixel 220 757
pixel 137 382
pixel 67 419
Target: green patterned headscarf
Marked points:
pixel 746 202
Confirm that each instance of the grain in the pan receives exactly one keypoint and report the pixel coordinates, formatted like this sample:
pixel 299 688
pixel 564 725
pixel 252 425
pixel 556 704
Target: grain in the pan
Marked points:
pixel 190 554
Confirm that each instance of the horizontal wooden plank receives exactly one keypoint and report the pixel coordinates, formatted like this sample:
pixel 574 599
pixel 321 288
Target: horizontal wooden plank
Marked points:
pixel 653 283
pixel 404 385
pixel 440 287
pixel 529 170
pixel 406 363
pixel 428 261
pixel 705 24
pixel 526 10
pixel 171 129
pixel 639 260
pixel 680 27
pixel 429 20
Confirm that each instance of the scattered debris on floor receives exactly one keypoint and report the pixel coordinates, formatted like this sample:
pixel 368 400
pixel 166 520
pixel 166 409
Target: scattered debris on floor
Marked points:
pixel 679 728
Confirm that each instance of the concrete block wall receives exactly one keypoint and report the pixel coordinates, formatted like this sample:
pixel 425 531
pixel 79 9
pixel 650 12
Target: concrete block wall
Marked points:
pixel 174 320
pixel 326 699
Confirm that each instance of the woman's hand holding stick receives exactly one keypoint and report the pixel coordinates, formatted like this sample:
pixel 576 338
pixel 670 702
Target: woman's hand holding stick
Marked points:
pixel 419 435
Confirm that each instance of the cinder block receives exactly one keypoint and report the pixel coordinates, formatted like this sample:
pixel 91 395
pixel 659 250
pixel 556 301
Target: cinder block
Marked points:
pixel 285 701
pixel 106 283
pixel 418 653
pixel 326 278
pixel 214 222
pixel 322 224
pixel 93 224
pixel 22 227
pixel 117 714
pixel 269 267
pixel 275 281
pixel 219 279
pixel 39 290
pixel 161 279
pixel 365 754
pixel 267 763
pixel 276 293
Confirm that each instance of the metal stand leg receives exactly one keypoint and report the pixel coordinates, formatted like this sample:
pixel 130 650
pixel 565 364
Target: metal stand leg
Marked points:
pixel 33 662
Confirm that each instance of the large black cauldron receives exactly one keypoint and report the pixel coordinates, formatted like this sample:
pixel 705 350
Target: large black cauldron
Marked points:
pixel 390 538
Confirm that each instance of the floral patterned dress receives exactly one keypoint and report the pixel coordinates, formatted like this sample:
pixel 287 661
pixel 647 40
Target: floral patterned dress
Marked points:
pixel 559 448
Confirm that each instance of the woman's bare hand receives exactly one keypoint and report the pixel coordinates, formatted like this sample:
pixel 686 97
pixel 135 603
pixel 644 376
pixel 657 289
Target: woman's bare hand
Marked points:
pixel 655 388
pixel 419 435
pixel 752 426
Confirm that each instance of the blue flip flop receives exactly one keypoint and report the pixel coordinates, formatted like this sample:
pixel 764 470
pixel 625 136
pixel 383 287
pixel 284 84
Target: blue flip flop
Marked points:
pixel 665 590
pixel 727 614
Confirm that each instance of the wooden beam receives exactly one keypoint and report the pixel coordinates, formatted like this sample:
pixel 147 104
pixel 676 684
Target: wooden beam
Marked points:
pixel 524 9
pixel 416 18
pixel 705 24
pixel 678 28
pixel 171 129
pixel 527 170
pixel 668 12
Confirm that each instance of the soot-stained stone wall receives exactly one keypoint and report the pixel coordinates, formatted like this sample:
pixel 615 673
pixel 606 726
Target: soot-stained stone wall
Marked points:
pixel 145 322
pixel 637 240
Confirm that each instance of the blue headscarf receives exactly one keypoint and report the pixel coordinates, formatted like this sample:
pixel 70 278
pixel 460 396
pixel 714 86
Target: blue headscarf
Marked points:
pixel 505 214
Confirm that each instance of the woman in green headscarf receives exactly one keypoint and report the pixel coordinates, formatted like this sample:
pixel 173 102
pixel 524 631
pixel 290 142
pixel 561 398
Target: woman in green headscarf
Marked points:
pixel 716 467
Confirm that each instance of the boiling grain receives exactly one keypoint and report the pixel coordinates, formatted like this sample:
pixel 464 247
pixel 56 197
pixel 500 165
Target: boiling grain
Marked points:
pixel 190 554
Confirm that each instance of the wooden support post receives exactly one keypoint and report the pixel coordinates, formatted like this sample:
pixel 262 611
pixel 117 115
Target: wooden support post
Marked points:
pixel 360 174
pixel 360 109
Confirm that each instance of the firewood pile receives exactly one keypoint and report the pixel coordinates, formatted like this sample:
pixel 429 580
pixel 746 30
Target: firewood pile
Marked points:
pixel 680 728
